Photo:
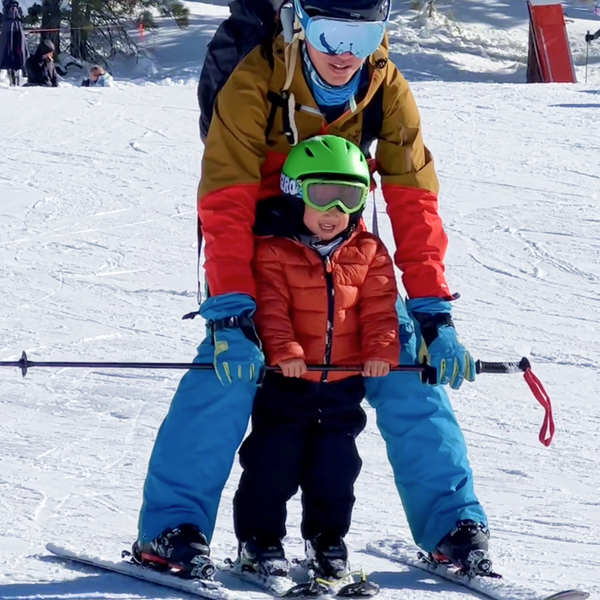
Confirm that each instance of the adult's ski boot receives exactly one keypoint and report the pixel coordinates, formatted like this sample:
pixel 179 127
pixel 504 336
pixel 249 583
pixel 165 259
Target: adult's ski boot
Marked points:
pixel 266 559
pixel 466 546
pixel 327 556
pixel 183 551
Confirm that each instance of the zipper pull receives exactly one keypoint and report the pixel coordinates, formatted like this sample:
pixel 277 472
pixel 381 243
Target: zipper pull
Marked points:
pixel 328 268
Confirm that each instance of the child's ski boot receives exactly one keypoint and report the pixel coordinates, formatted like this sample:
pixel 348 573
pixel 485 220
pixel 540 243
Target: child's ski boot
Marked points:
pixel 328 557
pixel 267 559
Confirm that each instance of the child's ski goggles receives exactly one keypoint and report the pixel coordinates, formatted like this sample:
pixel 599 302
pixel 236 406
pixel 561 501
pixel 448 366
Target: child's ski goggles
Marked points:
pixel 322 195
pixel 337 36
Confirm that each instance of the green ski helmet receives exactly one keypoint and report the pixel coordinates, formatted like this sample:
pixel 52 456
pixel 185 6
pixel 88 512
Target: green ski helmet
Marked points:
pixel 327 171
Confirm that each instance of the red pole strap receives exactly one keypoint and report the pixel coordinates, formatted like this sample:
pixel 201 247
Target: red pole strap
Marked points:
pixel 547 430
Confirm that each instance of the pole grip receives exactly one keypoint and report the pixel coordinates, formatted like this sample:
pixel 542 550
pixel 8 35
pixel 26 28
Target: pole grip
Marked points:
pixel 502 367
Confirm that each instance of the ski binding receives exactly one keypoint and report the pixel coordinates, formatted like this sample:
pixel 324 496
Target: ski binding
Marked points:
pixel 206 588
pixel 354 584
pixel 280 586
pixel 487 583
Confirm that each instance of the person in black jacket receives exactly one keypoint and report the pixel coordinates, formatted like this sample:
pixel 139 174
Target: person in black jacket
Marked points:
pixel 40 66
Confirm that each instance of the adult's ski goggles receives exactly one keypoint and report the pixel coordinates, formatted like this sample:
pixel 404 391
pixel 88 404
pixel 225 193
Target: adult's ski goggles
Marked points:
pixel 337 36
pixel 323 195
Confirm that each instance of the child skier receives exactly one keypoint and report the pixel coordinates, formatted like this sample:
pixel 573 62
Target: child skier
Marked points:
pixel 326 293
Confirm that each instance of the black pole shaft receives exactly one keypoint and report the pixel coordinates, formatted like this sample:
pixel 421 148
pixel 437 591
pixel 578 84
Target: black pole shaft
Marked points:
pixel 24 364
pixel 587 56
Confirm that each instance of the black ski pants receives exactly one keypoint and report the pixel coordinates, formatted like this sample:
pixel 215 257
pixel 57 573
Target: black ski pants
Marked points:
pixel 303 435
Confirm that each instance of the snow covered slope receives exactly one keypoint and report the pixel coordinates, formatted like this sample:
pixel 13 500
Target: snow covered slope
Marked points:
pixel 97 261
pixel 481 41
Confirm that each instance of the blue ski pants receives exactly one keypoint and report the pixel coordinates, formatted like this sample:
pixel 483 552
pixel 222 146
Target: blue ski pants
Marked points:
pixel 197 443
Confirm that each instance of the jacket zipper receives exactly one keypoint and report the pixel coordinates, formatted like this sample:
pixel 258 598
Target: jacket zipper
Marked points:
pixel 330 313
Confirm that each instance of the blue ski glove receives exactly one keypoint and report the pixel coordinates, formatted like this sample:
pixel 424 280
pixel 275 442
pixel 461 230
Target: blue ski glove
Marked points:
pixel 441 347
pixel 238 354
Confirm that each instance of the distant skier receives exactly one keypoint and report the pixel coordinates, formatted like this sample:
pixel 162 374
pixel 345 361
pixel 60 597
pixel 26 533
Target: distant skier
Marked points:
pixel 282 93
pixel 40 66
pixel 322 282
pixel 13 43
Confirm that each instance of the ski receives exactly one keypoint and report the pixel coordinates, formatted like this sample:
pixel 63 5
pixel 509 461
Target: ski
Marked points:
pixel 492 586
pixel 200 587
pixel 280 586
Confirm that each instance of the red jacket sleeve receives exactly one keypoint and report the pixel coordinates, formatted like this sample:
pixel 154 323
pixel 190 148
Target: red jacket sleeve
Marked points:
pixel 227 218
pixel 420 238
pixel 377 306
pixel 410 188
pixel 273 302
pixel 234 152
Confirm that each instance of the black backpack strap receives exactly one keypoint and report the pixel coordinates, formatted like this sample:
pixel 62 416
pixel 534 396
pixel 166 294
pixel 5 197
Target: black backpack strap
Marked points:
pixel 246 28
pixel 274 99
pixel 282 101
pixel 372 121
pixel 195 313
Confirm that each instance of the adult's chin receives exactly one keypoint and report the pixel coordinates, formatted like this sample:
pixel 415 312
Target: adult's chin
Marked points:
pixel 338 78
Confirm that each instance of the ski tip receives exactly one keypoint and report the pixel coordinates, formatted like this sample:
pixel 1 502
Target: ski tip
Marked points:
pixel 569 595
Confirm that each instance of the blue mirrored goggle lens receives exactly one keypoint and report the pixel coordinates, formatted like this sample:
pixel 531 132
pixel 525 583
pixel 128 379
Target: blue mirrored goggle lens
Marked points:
pixel 334 36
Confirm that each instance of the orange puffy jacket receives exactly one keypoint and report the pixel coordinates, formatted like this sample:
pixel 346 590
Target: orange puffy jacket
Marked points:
pixel 299 293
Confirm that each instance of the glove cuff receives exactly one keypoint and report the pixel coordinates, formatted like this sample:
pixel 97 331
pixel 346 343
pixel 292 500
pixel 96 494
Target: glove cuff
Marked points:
pixel 429 305
pixel 225 306
pixel 244 323
pixel 231 322
pixel 430 323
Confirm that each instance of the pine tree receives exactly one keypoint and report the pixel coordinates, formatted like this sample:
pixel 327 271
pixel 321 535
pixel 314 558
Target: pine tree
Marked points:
pixel 51 18
pixel 99 29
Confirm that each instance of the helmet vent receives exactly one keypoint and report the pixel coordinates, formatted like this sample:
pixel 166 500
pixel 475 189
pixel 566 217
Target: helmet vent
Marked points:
pixel 309 152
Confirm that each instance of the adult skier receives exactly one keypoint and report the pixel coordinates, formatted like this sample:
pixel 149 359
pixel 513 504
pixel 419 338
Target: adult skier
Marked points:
pixel 334 77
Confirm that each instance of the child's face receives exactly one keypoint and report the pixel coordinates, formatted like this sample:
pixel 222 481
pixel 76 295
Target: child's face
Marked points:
pixel 326 225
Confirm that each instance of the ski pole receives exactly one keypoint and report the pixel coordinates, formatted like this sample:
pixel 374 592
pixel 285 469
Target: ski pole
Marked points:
pixel 428 375
pixel 24 364
pixel 587 54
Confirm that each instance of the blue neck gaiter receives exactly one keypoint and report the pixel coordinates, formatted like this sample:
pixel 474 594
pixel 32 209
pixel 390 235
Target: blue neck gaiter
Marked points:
pixel 325 94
